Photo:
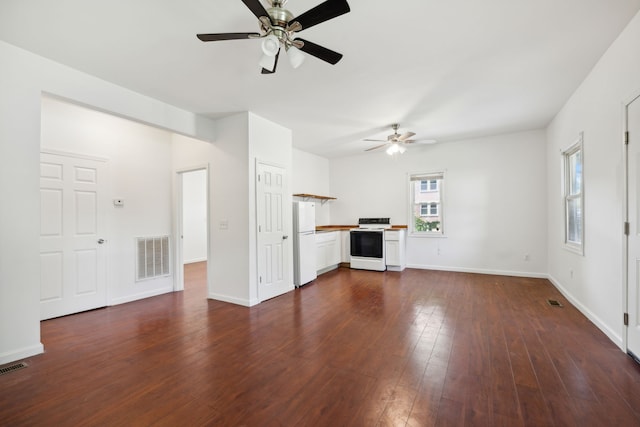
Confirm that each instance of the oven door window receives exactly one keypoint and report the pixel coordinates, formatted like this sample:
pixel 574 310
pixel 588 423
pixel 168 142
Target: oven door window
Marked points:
pixel 367 244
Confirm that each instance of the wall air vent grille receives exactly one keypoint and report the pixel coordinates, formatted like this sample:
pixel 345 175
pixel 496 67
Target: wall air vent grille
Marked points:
pixel 152 257
pixel 13 367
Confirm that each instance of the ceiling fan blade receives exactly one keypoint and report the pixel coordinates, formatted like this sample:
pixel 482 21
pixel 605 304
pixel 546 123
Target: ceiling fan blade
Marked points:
pixel 226 36
pixel 405 136
pixel 420 141
pixel 376 147
pixel 320 52
pixel 256 8
pixel 322 12
pixel 375 140
pixel 275 65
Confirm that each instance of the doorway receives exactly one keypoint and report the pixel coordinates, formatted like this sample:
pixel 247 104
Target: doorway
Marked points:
pixel 632 318
pixel 193 230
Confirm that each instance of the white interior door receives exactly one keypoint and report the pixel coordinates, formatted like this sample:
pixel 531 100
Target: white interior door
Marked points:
pixel 72 252
pixel 633 263
pixel 273 244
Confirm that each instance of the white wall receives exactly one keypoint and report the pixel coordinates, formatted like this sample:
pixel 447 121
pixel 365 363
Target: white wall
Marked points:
pixel 494 201
pixel 597 286
pixel 139 165
pixel 241 140
pixel 194 216
pixel 311 176
pixel 269 143
pixel 23 79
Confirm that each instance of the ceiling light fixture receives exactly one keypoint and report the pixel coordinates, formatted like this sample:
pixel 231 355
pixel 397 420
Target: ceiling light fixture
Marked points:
pixel 270 45
pixel 395 148
pixel 296 57
pixel 279 29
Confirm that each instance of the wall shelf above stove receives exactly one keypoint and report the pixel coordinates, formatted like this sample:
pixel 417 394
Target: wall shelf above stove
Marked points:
pixel 323 199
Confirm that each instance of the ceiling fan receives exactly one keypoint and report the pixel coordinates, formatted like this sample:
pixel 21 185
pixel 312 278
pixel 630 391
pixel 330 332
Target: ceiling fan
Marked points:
pixel 278 29
pixel 396 142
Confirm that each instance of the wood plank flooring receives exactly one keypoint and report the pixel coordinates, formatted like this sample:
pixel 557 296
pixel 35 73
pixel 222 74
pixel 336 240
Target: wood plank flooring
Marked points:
pixel 353 348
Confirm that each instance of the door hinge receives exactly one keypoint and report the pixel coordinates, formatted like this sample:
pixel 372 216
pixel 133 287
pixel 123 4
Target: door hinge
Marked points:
pixel 626 319
pixel 626 228
pixel 260 279
pixel 259 229
pixel 259 178
pixel 626 138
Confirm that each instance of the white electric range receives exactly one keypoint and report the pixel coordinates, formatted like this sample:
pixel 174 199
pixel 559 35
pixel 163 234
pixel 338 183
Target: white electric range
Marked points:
pixel 367 244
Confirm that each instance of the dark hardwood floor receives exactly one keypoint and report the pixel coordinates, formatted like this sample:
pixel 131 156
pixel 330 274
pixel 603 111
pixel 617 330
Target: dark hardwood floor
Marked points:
pixel 359 348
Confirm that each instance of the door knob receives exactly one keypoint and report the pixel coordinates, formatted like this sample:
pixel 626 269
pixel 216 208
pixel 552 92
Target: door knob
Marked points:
pixel 100 241
pixel 285 237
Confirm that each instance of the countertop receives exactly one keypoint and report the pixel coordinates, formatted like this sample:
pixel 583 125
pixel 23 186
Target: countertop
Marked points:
pixel 326 228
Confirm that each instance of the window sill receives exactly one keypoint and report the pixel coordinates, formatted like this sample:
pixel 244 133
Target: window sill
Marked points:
pixel 422 235
pixel 578 250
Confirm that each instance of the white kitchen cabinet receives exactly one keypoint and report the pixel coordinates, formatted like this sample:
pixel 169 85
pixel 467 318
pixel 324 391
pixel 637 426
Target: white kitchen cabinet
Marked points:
pixel 395 249
pixel 345 252
pixel 328 247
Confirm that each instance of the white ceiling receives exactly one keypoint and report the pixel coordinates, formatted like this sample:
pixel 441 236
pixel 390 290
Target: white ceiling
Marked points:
pixel 445 70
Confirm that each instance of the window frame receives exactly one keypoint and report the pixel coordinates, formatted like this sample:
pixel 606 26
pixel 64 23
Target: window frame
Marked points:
pixel 439 177
pixel 569 196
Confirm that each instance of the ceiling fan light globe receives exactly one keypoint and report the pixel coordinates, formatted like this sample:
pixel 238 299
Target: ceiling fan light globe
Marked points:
pixel 267 62
pixel 270 45
pixel 401 149
pixel 296 58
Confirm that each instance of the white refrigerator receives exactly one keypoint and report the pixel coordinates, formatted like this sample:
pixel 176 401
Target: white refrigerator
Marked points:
pixel 304 243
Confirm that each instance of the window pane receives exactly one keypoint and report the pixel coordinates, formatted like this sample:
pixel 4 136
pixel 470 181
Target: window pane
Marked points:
pixel 575 173
pixel 574 221
pixel 426 194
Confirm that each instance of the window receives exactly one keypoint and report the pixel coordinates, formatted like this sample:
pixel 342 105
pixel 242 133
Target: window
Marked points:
pixel 574 197
pixel 426 204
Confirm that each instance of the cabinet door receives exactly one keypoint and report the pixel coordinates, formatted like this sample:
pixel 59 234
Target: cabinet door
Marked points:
pixel 393 252
pixel 321 255
pixel 333 251
pixel 346 246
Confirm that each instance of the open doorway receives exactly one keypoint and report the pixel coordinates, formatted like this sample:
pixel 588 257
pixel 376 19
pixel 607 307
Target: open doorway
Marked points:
pixel 193 223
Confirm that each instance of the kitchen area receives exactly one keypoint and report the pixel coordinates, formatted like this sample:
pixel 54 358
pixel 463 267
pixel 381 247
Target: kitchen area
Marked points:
pixel 370 244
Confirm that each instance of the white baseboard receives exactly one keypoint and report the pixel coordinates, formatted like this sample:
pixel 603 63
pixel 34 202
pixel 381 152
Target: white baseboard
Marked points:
pixel 141 295
pixel 613 336
pixel 480 271
pixel 21 353
pixel 194 260
pixel 233 300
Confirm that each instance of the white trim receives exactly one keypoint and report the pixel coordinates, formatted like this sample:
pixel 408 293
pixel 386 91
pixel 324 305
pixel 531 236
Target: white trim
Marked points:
pixel 478 271
pixel 192 261
pixel 178 259
pixel 576 146
pixel 142 295
pixel 625 212
pixel 411 202
pixel 73 155
pixel 233 300
pixel 21 353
